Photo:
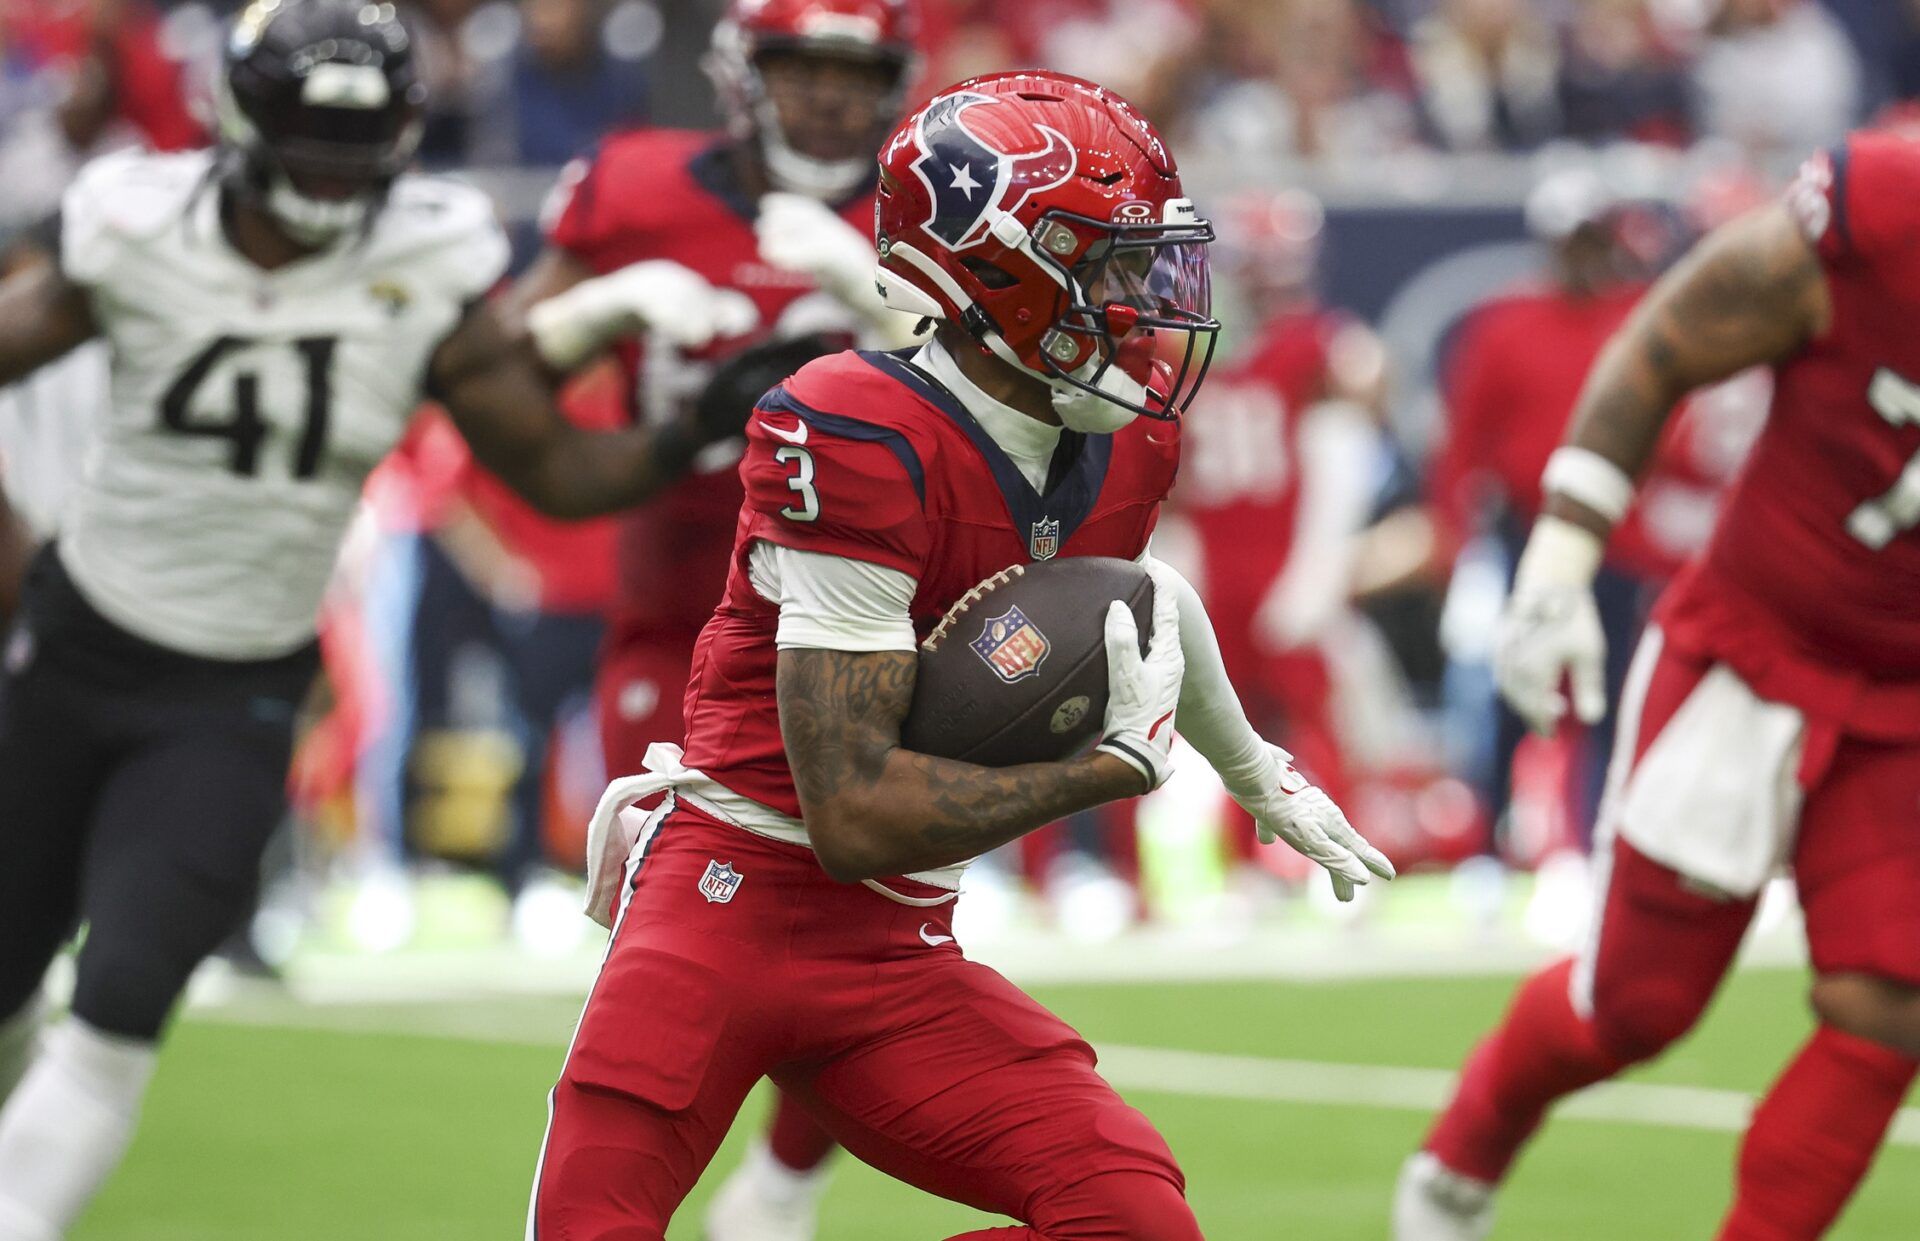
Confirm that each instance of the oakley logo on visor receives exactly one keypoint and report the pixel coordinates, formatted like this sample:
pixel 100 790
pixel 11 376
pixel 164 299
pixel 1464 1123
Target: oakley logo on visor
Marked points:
pixel 969 180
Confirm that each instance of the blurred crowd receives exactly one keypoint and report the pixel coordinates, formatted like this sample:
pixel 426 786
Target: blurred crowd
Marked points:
pixel 1330 85
pixel 1355 569
pixel 535 82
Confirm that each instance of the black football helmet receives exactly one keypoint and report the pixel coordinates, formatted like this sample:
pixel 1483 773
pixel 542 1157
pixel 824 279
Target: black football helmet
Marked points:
pixel 319 109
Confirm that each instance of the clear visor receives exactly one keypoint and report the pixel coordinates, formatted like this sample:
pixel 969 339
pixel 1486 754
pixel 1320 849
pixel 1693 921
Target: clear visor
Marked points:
pixel 1145 300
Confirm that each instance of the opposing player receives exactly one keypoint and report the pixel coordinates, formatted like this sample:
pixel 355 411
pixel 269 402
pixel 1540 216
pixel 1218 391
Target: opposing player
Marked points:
pixel 276 310
pixel 787 911
pixel 767 226
pixel 1772 714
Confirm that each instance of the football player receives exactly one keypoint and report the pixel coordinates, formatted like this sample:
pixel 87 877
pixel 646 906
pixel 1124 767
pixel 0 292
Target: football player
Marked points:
pixel 1771 716
pixel 276 309
pixel 1282 444
pixel 787 911
pixel 766 230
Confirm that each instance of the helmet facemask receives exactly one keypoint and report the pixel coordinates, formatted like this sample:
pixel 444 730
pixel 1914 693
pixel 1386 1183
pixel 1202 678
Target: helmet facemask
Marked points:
pixel 1136 330
pixel 346 131
pixel 738 67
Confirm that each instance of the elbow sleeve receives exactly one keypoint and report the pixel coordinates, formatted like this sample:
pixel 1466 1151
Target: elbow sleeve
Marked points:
pixel 1210 716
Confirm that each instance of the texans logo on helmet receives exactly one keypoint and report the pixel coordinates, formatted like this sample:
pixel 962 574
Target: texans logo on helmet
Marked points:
pixel 967 178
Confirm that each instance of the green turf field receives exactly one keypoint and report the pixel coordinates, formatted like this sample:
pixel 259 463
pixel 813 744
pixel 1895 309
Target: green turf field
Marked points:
pixel 380 1122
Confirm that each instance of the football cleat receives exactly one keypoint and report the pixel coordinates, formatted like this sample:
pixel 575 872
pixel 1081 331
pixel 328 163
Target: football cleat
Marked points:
pixel 1434 1203
pixel 763 1201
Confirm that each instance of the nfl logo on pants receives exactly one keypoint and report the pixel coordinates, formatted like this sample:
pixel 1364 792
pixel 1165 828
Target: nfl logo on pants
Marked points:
pixel 720 882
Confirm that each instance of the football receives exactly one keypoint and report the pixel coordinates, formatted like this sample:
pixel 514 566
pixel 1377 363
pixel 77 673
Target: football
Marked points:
pixel 1016 671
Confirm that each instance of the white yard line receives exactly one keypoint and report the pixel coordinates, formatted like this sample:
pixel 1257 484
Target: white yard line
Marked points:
pixel 1158 1070
pixel 1207 1075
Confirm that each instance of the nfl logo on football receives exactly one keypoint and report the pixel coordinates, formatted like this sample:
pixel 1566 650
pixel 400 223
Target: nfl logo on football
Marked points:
pixel 1044 540
pixel 720 882
pixel 1012 645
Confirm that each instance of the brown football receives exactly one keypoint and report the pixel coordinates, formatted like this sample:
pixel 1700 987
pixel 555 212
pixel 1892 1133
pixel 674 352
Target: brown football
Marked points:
pixel 1016 672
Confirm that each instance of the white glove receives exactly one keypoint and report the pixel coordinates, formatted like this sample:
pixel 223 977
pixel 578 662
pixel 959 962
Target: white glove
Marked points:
pixel 657 295
pixel 805 235
pixel 1550 631
pixel 1285 807
pixel 1142 692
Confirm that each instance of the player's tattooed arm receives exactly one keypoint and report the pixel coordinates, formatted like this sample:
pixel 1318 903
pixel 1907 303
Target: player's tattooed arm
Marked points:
pixel 42 315
pixel 1751 293
pixel 502 403
pixel 874 809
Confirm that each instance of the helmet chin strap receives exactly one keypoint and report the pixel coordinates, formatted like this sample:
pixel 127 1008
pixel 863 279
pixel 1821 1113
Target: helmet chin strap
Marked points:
pixel 830 181
pixel 1094 412
pixel 312 221
pixel 1090 412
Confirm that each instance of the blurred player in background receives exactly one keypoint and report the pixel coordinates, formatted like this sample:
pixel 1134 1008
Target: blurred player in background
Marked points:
pixel 787 912
pixel 276 310
pixel 1277 477
pixel 761 237
pixel 1771 716
pixel 1513 378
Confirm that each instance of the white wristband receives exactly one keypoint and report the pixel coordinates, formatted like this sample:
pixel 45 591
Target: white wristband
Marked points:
pixel 1582 475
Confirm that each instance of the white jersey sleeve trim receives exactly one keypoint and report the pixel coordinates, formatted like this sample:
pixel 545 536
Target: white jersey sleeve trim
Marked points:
pixel 833 603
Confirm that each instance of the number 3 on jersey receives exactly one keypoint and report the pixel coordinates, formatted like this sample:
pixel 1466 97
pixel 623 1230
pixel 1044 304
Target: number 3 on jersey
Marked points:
pixel 244 428
pixel 1896 510
pixel 801 484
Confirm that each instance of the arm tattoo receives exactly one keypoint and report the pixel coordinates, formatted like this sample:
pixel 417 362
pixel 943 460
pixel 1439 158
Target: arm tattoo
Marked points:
pixel 1751 294
pixel 840 717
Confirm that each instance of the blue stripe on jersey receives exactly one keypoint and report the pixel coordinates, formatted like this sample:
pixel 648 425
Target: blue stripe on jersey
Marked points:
pixel 1078 472
pixel 780 401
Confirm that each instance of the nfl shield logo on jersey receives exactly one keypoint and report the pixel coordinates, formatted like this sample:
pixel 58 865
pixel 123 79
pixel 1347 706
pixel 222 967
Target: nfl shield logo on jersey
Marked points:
pixel 1044 539
pixel 720 882
pixel 1012 646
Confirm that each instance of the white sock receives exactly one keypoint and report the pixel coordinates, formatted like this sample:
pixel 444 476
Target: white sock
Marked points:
pixel 778 1184
pixel 19 1042
pixel 66 1126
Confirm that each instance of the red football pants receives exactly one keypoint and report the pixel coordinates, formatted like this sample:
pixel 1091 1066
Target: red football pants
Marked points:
pixel 1662 944
pixel 930 1067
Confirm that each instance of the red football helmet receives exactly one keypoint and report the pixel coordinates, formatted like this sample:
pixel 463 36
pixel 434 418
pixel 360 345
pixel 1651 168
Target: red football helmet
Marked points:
pixel 881 32
pixel 1044 215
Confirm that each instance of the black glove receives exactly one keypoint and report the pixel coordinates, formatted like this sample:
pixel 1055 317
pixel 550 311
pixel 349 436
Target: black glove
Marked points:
pixel 724 405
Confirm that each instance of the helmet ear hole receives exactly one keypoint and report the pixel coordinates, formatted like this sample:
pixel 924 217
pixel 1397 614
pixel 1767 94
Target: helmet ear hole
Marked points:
pixel 992 275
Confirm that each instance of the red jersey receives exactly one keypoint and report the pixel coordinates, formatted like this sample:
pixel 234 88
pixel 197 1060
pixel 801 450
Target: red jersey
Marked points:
pixel 1241 486
pixel 1512 384
pixel 574 559
pixel 674 194
pixel 147 81
pixel 1810 587
pixel 866 456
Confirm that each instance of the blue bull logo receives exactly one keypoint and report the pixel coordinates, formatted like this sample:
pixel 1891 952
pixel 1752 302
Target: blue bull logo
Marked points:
pixel 967 178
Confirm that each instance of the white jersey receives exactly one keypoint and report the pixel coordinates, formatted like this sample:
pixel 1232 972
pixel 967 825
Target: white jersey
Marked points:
pixel 246 407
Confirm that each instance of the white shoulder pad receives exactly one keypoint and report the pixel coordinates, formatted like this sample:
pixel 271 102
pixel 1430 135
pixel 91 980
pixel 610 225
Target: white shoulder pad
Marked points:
pixel 124 199
pixel 446 232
